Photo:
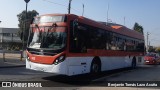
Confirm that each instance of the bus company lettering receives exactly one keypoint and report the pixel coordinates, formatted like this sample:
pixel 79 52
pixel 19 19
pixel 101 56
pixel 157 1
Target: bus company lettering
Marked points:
pixel 151 85
pixel 141 84
pixel 130 84
pixel 116 84
pixel 34 85
pixel 14 84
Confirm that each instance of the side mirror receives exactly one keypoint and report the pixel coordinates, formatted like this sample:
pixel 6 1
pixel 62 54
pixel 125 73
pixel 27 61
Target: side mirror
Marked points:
pixel 32 20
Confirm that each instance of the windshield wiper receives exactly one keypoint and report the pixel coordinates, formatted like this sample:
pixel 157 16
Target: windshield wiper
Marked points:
pixel 44 39
pixel 40 34
pixel 50 33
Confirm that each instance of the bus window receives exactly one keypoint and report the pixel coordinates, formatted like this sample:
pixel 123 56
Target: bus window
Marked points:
pixel 140 47
pixel 100 37
pixel 113 42
pixel 82 38
pixel 78 40
pixel 109 40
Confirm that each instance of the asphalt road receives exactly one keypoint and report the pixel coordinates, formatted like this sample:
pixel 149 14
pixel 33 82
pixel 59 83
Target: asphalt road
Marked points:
pixel 143 73
pixel 23 74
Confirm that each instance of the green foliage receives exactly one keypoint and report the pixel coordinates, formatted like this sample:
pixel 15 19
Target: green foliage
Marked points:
pixel 158 49
pixel 138 28
pixel 25 22
pixel 151 49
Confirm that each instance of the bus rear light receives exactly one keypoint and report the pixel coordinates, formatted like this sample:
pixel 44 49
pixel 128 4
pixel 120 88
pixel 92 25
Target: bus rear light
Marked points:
pixel 59 59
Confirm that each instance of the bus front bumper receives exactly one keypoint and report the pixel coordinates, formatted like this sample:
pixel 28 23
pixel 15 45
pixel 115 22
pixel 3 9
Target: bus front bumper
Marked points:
pixel 61 68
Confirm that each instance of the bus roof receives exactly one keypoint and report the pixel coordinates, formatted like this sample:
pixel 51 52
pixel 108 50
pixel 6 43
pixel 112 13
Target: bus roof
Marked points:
pixel 128 32
pixel 111 27
pixel 114 28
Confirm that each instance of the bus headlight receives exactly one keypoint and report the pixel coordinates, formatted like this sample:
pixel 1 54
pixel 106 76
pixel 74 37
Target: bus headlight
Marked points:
pixel 28 58
pixel 59 59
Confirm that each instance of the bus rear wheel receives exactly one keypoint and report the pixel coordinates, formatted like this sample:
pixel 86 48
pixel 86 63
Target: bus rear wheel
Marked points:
pixel 134 63
pixel 95 67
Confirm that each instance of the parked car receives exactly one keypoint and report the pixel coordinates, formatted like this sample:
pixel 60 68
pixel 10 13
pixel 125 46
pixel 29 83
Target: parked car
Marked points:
pixel 152 58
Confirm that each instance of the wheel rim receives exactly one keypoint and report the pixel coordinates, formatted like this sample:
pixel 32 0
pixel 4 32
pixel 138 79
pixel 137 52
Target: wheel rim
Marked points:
pixel 133 64
pixel 95 68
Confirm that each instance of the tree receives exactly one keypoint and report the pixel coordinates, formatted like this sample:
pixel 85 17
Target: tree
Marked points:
pixel 158 50
pixel 25 20
pixel 138 28
pixel 151 49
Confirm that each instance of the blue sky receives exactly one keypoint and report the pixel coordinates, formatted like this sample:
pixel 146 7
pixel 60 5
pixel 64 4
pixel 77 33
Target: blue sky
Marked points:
pixel 145 12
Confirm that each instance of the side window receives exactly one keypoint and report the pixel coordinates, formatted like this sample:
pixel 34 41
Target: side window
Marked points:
pixel 101 39
pixel 72 41
pixel 78 38
pixel 93 33
pixel 113 42
pixel 97 38
pixel 82 38
pixel 109 40
pixel 140 47
pixel 120 43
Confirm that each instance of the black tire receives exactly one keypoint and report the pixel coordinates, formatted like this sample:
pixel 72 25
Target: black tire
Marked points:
pixel 134 63
pixel 95 67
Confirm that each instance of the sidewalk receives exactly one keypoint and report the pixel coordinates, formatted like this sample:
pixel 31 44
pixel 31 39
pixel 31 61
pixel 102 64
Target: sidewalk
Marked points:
pixel 11 60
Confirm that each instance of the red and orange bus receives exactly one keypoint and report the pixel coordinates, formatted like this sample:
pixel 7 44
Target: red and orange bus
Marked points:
pixel 70 45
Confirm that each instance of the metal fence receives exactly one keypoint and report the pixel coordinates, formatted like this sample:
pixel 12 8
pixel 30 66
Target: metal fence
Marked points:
pixel 10 41
pixel 5 55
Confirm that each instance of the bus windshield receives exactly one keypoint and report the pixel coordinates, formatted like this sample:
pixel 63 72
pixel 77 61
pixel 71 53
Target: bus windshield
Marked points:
pixel 46 38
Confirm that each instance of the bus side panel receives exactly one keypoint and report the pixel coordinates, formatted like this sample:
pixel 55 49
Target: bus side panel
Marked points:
pixel 110 63
pixel 79 65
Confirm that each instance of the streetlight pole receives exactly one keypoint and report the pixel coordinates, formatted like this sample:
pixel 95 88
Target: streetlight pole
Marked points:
pixel 83 10
pixel 27 1
pixel 107 13
pixel 147 41
pixel 22 53
pixel 1 39
pixel 69 6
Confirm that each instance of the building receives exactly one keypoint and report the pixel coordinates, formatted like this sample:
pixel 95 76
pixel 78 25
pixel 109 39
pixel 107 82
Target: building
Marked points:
pixel 9 38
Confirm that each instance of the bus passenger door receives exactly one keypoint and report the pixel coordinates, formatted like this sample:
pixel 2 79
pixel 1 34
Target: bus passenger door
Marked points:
pixel 78 38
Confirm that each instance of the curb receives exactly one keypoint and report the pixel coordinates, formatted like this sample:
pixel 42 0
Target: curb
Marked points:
pixel 12 66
